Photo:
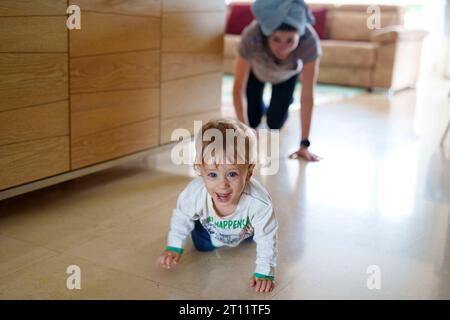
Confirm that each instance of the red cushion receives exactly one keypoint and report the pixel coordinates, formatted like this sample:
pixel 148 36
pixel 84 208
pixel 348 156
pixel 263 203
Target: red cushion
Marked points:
pixel 320 15
pixel 240 16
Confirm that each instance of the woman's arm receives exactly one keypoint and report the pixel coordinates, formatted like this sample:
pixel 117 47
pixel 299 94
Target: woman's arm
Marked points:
pixel 241 70
pixel 308 80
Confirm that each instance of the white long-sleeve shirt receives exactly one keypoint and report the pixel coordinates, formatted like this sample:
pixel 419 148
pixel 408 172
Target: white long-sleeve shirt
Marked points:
pixel 254 215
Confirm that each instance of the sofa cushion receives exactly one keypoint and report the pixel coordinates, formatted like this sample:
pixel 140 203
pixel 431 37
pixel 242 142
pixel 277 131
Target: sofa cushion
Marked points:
pixel 320 16
pixel 231 42
pixel 348 53
pixel 358 77
pixel 352 25
pixel 240 16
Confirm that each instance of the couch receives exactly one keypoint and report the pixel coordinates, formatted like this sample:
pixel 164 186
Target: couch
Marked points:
pixel 353 54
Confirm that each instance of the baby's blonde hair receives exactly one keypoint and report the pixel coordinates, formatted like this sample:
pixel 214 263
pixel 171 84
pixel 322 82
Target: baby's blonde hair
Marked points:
pixel 225 141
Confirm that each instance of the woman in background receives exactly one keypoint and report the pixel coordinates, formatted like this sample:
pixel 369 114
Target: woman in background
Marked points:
pixel 279 47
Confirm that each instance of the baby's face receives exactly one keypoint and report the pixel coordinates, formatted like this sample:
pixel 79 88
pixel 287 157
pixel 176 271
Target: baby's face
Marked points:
pixel 225 183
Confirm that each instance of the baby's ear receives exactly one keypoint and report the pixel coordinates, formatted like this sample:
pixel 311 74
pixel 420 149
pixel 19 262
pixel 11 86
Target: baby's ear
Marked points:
pixel 250 171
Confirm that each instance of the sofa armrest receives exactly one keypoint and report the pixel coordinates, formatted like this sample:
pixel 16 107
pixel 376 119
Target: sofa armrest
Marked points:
pixel 393 34
pixel 398 57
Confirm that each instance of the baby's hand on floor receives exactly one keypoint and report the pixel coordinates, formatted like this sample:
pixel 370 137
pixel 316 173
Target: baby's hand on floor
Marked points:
pixel 262 285
pixel 168 259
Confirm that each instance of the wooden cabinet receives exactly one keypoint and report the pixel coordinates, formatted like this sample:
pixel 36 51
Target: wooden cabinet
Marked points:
pixel 192 46
pixel 34 86
pixel 115 81
pixel 137 70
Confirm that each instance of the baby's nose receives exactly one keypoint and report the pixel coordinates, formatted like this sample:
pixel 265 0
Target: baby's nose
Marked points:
pixel 224 183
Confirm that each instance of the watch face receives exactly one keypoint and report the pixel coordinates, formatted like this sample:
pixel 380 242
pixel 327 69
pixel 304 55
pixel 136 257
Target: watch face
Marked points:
pixel 305 143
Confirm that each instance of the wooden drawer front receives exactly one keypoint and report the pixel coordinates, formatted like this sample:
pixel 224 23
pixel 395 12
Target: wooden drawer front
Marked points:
pixel 32 7
pixel 115 72
pixel 108 33
pixel 19 125
pixel 107 145
pixel 192 55
pixel 131 7
pixel 33 34
pixel 97 112
pixel 193 32
pixel 182 65
pixel 185 122
pixel 31 79
pixel 32 160
pixel 193 5
pixel 194 94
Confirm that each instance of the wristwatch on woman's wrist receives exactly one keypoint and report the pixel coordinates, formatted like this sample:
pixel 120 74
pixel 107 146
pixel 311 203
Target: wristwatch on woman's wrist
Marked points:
pixel 305 143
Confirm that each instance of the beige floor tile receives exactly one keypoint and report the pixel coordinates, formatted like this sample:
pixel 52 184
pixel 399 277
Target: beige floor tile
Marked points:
pixel 48 280
pixel 331 272
pixel 79 210
pixel 16 255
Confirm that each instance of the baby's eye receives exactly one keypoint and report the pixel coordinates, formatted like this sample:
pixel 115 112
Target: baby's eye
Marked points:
pixel 232 174
pixel 212 175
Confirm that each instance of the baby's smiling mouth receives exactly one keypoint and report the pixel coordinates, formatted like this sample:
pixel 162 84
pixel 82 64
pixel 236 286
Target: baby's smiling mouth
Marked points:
pixel 223 197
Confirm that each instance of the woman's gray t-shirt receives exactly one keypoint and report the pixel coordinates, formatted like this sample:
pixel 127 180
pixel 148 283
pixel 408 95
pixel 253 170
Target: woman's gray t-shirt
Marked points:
pixel 252 48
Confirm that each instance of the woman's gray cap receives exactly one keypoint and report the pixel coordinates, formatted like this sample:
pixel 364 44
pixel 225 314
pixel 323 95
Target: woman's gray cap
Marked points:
pixel 270 14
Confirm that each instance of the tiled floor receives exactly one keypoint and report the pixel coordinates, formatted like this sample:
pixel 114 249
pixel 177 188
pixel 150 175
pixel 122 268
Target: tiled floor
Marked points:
pixel 381 196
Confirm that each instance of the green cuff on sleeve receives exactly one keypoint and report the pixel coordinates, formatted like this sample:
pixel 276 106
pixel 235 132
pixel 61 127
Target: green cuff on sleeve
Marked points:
pixel 263 276
pixel 174 249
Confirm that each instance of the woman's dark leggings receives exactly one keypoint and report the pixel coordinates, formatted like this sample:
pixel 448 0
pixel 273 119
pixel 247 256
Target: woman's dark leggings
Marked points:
pixel 282 97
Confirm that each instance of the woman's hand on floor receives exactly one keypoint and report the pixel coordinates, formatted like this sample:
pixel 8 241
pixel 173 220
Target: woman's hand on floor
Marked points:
pixel 305 154
pixel 262 285
pixel 168 259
